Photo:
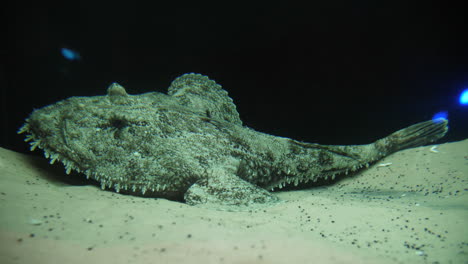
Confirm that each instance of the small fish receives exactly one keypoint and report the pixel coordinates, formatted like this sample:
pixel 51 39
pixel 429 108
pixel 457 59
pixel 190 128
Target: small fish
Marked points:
pixel 70 54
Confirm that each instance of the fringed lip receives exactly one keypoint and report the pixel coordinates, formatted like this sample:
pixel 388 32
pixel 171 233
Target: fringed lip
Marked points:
pixel 106 182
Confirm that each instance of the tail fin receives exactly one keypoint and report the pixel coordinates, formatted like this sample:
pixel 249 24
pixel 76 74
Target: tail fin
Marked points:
pixel 413 136
pixel 330 160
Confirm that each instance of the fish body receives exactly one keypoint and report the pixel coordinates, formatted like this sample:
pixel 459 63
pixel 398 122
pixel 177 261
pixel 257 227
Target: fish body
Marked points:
pixel 191 145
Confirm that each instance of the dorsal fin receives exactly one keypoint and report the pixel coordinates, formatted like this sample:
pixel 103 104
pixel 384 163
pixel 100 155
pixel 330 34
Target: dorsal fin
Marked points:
pixel 204 95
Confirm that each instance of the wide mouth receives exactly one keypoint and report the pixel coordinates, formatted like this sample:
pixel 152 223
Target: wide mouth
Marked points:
pixel 106 182
pixel 49 153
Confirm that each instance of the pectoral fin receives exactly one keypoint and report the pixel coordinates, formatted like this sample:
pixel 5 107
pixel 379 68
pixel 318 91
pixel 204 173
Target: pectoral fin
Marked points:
pixel 226 191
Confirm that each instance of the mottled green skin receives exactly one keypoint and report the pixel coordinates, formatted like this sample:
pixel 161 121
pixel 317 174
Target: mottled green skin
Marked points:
pixel 190 144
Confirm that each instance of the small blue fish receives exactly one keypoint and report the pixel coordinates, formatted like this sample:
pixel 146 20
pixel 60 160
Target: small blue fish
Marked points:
pixel 70 54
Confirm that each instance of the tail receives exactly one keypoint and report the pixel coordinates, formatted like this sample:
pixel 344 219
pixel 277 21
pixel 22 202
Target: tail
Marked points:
pixel 330 160
pixel 413 136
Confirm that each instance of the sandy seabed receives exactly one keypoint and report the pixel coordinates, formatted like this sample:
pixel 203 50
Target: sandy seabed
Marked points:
pixel 414 210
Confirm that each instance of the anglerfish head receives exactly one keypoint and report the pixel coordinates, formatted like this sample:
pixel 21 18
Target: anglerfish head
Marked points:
pixel 111 139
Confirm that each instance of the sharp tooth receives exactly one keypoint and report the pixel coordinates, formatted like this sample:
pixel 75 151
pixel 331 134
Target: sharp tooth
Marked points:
pixel 23 129
pixel 133 188
pixel 69 168
pixel 34 145
pixel 53 158
pixel 143 190
pixel 103 185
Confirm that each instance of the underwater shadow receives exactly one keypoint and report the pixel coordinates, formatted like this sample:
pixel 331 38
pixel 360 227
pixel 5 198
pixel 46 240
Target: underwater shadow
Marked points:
pixel 55 173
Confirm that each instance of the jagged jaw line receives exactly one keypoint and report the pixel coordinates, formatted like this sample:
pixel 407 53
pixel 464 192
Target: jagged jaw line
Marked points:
pixel 280 184
pixel 51 154
pixel 299 180
pixel 70 165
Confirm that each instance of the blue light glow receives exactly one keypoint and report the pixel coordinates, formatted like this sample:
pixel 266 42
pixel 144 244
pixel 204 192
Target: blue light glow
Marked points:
pixel 440 116
pixel 70 54
pixel 464 97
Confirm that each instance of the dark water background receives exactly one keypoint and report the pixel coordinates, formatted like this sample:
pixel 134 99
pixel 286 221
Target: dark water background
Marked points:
pixel 333 73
